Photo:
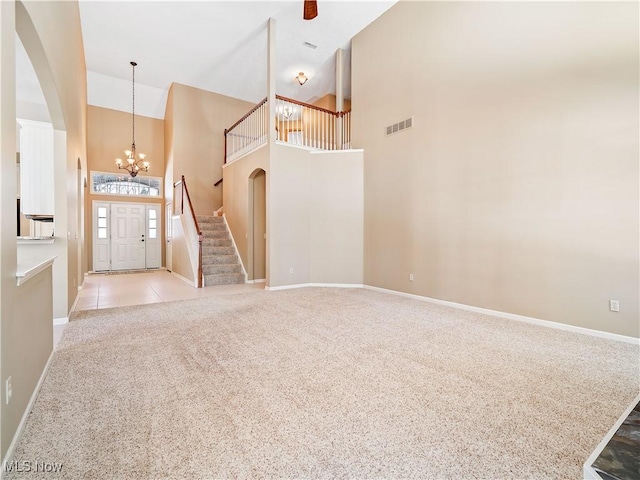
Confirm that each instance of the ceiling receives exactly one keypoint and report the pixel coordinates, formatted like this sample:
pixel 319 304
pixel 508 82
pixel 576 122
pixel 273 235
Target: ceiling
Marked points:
pixel 30 102
pixel 220 46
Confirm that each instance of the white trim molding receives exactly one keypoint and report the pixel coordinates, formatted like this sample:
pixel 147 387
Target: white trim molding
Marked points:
pixel 323 285
pixel 64 320
pixel 184 279
pixel 513 316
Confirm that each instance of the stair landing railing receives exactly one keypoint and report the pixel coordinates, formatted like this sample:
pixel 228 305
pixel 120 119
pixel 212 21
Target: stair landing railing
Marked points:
pixel 192 221
pixel 297 123
pixel 247 133
pixel 306 125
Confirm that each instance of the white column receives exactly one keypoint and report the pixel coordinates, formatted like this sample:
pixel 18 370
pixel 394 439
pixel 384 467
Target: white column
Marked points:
pixel 271 77
pixel 339 97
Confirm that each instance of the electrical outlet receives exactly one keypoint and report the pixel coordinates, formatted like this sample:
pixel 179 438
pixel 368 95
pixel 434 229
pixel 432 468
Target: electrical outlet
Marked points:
pixel 614 305
pixel 8 391
pixel 411 277
pixel 291 270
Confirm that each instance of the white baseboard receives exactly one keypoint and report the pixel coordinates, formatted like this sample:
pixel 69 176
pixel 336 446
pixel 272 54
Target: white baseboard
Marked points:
pixel 27 411
pixel 186 280
pixel 512 316
pixel 73 309
pixel 304 285
pixel 63 320
pixel 258 280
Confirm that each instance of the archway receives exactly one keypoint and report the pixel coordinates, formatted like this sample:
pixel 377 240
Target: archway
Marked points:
pixel 257 228
pixel 64 268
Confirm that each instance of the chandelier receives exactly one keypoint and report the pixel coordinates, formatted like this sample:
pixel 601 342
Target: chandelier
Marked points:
pixel 133 164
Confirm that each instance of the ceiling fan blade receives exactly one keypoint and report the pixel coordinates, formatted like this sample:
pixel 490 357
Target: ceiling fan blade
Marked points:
pixel 310 9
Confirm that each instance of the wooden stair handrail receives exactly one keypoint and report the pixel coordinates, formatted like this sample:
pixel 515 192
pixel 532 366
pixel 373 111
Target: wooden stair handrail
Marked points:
pixel 284 99
pixel 308 105
pixel 227 130
pixel 195 221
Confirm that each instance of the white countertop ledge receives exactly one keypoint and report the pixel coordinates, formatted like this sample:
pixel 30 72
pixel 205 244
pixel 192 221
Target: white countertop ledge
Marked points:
pixel 26 270
pixel 35 240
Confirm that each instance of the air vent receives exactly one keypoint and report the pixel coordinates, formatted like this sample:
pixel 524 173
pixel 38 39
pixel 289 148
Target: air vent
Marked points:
pixel 400 126
pixel 310 45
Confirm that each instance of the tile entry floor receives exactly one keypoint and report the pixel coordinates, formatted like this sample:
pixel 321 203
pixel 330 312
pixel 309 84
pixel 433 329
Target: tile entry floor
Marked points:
pixel 125 289
pixel 106 290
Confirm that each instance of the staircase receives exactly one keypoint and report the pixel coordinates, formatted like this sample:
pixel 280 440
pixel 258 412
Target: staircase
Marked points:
pixel 220 264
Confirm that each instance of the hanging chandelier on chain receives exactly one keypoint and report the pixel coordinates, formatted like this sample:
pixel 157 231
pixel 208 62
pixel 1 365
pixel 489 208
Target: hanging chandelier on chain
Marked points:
pixel 133 162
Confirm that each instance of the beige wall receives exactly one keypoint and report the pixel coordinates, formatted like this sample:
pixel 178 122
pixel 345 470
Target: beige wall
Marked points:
pixel 336 214
pixel 168 148
pixel 314 213
pixel 517 189
pixel 197 120
pixel 329 102
pixel 314 216
pixel 236 198
pixel 108 135
pixel 288 212
pixel 51 34
pixel 60 67
pixel 180 259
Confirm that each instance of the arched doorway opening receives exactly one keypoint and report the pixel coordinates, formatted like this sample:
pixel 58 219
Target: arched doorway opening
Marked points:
pixel 257 228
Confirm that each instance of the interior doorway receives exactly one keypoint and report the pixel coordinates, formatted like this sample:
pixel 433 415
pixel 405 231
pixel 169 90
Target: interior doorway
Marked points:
pixel 126 236
pixel 257 226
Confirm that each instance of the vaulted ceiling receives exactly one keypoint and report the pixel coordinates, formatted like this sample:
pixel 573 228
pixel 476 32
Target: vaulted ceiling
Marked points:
pixel 220 46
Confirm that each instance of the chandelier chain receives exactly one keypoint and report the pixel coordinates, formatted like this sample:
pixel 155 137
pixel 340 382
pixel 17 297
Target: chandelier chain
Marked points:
pixel 134 162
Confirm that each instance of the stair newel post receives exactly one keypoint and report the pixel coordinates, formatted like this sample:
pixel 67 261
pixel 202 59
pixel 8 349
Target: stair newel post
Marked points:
pixel 200 239
pixel 225 145
pixel 182 196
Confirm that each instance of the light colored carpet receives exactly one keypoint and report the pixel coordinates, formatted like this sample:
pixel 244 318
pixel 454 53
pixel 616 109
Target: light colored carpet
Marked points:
pixel 323 383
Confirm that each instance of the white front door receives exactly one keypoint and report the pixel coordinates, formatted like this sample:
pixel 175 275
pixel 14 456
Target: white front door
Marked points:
pixel 127 236
pixel 152 240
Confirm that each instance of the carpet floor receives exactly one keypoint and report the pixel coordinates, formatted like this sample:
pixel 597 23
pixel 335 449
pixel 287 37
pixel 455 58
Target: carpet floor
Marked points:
pixel 322 383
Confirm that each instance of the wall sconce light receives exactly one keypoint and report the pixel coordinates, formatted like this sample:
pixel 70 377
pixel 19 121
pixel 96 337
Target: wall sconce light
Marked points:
pixel 302 78
pixel 287 112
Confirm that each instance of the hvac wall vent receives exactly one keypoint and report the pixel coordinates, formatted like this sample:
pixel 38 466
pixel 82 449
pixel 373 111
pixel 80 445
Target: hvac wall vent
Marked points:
pixel 400 126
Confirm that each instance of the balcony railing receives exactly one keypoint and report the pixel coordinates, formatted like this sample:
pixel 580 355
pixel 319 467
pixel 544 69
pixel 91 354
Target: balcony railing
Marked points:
pixel 297 123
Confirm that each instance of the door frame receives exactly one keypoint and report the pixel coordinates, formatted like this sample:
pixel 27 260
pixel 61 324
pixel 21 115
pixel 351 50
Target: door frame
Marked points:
pixel 250 227
pixel 94 230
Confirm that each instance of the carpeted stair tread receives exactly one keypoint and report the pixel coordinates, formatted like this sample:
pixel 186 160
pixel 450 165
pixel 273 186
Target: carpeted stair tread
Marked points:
pixel 219 259
pixel 217 242
pixel 215 250
pixel 224 279
pixel 209 234
pixel 221 269
pixel 207 219
pixel 220 263
pixel 208 227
